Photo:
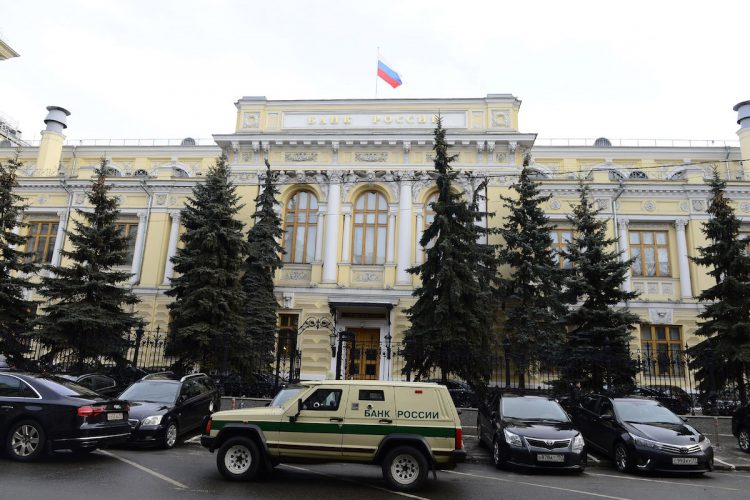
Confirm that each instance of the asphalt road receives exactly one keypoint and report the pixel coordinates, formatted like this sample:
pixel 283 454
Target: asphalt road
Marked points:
pixel 189 471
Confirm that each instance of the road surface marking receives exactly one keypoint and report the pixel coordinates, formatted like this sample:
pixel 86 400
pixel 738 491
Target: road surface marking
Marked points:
pixel 144 469
pixel 725 463
pixel 535 484
pixel 698 485
pixel 593 458
pixel 352 481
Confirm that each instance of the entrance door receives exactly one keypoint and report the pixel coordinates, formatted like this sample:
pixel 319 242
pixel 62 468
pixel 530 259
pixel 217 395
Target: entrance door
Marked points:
pixel 363 358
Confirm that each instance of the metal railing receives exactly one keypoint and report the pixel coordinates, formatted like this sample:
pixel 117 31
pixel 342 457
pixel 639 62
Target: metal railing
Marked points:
pixel 639 143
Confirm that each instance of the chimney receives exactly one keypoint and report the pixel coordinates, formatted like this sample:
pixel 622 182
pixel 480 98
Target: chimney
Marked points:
pixel 50 149
pixel 743 119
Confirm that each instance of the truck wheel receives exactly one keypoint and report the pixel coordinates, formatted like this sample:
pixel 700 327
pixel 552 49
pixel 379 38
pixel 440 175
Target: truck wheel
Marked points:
pixel 405 468
pixel 238 459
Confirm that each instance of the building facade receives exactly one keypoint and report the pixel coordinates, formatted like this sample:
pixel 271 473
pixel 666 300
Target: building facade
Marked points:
pixel 356 182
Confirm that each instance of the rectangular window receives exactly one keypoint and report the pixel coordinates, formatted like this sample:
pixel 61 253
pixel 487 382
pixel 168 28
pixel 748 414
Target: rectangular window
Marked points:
pixel 662 350
pixel 129 229
pixel 650 249
pixel 560 240
pixel 287 327
pixel 371 395
pixel 41 241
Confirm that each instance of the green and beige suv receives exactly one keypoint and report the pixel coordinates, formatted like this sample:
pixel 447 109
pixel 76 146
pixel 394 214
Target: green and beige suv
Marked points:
pixel 408 428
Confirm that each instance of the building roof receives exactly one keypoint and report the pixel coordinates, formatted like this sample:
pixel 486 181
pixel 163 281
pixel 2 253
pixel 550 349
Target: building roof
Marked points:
pixel 6 51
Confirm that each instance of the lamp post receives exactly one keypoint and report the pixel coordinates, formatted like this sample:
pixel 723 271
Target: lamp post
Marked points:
pixel 506 349
pixel 344 336
pixel 388 339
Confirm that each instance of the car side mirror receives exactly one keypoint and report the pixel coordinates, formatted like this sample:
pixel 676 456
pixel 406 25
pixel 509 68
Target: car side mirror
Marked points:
pixel 293 418
pixel 182 398
pixel 493 415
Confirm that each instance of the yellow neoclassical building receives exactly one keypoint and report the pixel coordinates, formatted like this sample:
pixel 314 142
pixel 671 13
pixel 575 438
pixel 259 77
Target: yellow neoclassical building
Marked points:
pixel 355 189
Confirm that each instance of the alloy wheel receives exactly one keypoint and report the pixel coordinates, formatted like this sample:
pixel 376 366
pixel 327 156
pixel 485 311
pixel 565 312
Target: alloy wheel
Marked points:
pixel 621 458
pixel 171 437
pixel 25 440
pixel 743 439
pixel 496 454
pixel 405 469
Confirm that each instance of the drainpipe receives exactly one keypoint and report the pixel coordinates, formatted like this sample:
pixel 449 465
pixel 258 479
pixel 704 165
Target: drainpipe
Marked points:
pixel 614 214
pixel 150 194
pixel 64 185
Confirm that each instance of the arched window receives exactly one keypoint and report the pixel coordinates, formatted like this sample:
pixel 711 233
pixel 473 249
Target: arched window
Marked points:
pixel 370 227
pixel 300 228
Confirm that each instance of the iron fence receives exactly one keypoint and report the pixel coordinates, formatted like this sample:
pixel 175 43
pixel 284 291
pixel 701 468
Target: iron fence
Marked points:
pixel 665 375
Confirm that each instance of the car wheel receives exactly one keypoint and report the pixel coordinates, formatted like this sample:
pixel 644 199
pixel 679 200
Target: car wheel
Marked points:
pixel 170 436
pixel 622 458
pixel 25 441
pixel 238 459
pixel 743 439
pixel 405 468
pixel 497 454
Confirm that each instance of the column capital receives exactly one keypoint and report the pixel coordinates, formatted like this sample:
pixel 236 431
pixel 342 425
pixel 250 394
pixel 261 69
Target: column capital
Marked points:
pixel 335 176
pixel 419 215
pixel 63 213
pixel 175 214
pixel 142 214
pixel 681 223
pixel 392 211
pixel 623 221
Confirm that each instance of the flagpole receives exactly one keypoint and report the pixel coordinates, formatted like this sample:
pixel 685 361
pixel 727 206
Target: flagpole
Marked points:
pixel 376 74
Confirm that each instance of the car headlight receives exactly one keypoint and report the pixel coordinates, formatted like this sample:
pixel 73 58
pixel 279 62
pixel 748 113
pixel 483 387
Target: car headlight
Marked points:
pixel 513 439
pixel 578 443
pixel 645 443
pixel 705 444
pixel 152 420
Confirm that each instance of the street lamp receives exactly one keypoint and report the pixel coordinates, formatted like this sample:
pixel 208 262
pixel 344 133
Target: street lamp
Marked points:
pixel 388 339
pixel 332 338
pixel 506 349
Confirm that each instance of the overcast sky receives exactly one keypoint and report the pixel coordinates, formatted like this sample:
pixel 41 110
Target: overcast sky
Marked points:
pixel 163 69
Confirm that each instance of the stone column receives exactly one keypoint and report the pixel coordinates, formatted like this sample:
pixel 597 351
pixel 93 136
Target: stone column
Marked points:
pixel 624 249
pixel 405 238
pixel 319 233
pixel 390 250
pixel 172 248
pixel 686 289
pixel 56 255
pixel 346 248
pixel 419 252
pixel 140 242
pixel 330 257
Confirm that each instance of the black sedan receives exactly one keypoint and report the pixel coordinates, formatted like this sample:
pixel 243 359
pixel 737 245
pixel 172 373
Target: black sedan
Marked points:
pixel 530 431
pixel 164 407
pixel 741 427
pixel 45 412
pixel 641 434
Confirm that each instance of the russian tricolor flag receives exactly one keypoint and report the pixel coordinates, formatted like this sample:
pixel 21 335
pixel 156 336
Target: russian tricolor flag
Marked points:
pixel 387 73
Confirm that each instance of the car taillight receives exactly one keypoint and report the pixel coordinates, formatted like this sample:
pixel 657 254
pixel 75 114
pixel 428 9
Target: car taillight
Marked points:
pixel 459 439
pixel 90 411
pixel 208 427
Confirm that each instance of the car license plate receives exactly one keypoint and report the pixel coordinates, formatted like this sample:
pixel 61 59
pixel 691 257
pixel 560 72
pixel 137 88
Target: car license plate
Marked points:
pixel 115 416
pixel 547 457
pixel 685 461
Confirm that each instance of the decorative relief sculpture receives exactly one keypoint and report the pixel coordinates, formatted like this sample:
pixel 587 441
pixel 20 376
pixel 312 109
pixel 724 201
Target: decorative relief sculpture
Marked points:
pixel 499 119
pixel 298 275
pixel 602 203
pixel 554 204
pixel 684 206
pixel 161 199
pixel 250 120
pixel 371 157
pixel 367 277
pixel 649 205
pixel 745 206
pixel 300 156
pixel 699 205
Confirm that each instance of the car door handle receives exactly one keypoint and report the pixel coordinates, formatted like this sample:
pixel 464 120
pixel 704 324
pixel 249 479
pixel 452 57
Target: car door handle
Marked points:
pixel 385 421
pixel 335 419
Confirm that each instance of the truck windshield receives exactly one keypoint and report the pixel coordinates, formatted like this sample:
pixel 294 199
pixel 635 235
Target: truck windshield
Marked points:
pixel 285 395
